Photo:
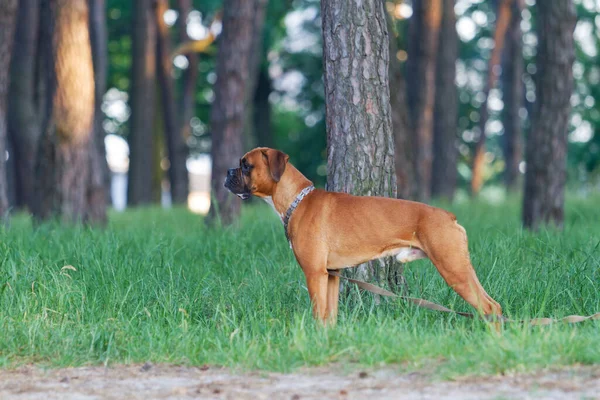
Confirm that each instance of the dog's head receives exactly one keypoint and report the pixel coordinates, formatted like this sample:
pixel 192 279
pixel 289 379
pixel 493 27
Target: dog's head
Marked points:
pixel 259 172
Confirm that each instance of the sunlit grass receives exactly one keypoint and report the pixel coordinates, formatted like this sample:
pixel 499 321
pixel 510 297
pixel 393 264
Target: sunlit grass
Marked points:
pixel 159 286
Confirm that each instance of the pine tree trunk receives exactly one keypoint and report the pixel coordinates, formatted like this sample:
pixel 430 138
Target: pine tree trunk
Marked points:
pixel 143 76
pixel 64 161
pixel 445 152
pixel 262 110
pixel 502 22
pixel 360 140
pixel 176 145
pixel 24 123
pixel 403 134
pixel 256 60
pixel 190 75
pixel 8 14
pixel 99 182
pixel 421 70
pixel 231 92
pixel 512 87
pixel 546 157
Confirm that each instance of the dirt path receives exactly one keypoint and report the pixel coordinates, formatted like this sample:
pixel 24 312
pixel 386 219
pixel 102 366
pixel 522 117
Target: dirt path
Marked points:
pixel 171 382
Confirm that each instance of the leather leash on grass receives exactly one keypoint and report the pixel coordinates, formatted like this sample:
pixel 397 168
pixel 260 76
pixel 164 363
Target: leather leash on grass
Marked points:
pixel 570 319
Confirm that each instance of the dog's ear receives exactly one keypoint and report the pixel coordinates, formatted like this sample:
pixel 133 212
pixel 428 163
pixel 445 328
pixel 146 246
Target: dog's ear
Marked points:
pixel 276 160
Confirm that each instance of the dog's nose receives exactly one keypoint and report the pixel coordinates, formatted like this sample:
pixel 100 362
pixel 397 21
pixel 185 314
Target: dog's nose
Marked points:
pixel 231 172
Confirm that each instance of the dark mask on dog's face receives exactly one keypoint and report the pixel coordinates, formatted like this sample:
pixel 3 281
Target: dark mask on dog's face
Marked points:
pixel 237 179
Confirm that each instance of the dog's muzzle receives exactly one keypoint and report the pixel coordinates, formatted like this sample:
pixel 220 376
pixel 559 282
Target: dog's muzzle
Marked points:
pixel 235 184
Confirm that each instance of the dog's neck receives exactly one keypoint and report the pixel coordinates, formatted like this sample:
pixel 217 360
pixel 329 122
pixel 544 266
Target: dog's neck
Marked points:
pixel 290 185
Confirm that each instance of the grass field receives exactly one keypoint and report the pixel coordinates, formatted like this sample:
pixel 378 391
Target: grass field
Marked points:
pixel 159 286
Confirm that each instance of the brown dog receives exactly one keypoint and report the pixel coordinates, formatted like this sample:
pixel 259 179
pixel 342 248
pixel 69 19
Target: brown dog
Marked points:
pixel 330 230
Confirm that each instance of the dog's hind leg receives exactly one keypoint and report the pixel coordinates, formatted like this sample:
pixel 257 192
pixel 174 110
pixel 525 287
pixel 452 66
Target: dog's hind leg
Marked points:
pixel 447 248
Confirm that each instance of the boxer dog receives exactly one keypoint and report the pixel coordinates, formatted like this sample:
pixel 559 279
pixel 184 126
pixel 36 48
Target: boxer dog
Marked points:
pixel 330 231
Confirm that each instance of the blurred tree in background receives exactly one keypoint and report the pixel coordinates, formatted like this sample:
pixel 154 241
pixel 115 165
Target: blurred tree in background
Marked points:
pixel 546 152
pixel 66 143
pixel 8 13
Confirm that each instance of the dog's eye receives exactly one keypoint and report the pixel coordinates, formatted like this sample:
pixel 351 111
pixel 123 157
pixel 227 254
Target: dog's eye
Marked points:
pixel 246 167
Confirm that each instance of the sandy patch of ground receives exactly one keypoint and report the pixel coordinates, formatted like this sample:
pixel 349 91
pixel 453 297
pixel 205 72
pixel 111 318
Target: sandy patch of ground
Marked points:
pixel 173 382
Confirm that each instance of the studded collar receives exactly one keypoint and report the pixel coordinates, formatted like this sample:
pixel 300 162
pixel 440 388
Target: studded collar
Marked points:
pixel 292 207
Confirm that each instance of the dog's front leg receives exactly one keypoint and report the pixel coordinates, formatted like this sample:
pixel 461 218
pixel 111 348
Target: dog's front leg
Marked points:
pixel 316 282
pixel 333 296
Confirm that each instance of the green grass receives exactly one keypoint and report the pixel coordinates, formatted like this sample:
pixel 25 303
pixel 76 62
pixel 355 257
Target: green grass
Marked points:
pixel 160 286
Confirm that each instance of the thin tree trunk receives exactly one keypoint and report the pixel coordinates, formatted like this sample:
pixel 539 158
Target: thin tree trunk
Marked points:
pixel 256 60
pixel 176 145
pixel 8 14
pixel 403 135
pixel 262 110
pixel 543 200
pixel 143 76
pixel 512 84
pixel 63 162
pixel 502 23
pixel 158 152
pixel 360 140
pixel 445 152
pixel 424 35
pixel 99 182
pixel 24 123
pixel 190 75
pixel 227 112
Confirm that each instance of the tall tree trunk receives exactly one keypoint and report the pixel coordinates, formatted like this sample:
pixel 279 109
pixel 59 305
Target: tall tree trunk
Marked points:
pixel 190 75
pixel 24 123
pixel 99 182
pixel 257 55
pixel 403 135
pixel 8 14
pixel 502 23
pixel 543 200
pixel 231 91
pixel 262 110
pixel 445 152
pixel 360 140
pixel 176 145
pixel 424 35
pixel 63 161
pixel 512 87
pixel 143 76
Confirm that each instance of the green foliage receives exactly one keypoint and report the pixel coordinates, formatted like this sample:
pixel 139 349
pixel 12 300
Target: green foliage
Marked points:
pixel 159 286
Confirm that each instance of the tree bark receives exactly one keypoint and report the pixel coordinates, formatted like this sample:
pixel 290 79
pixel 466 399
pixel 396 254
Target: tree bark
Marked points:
pixel 403 135
pixel 8 14
pixel 190 75
pixel 360 140
pixel 24 123
pixel 143 76
pixel 502 23
pixel 64 162
pixel 445 152
pixel 227 112
pixel 176 145
pixel 423 46
pixel 99 181
pixel 546 174
pixel 256 60
pixel 262 110
pixel 512 85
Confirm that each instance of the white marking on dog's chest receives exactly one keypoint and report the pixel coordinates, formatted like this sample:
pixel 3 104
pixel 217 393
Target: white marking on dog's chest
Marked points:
pixel 269 200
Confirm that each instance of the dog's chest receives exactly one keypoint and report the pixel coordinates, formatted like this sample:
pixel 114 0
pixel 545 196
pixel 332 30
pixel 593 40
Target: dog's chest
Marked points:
pixel 269 201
